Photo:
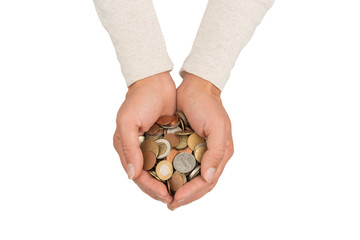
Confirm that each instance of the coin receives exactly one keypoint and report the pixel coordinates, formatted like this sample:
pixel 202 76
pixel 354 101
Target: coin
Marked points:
pixel 152 173
pixel 177 180
pixel 162 148
pixel 169 126
pixel 173 130
pixel 150 145
pixel 172 155
pixel 182 142
pixel 184 162
pixel 149 160
pixel 184 133
pixel 167 149
pixel 199 151
pixel 164 120
pixel 141 140
pixel 173 139
pixel 168 186
pixel 194 172
pixel 164 170
pixel 188 150
pixel 154 128
pixel 194 139
pixel 172 151
pixel 174 120
pixel 183 118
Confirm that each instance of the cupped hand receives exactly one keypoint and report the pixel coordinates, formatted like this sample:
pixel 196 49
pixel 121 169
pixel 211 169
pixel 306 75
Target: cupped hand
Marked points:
pixel 146 100
pixel 200 101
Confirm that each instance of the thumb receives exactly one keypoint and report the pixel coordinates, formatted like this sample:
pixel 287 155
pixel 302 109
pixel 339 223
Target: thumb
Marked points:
pixel 214 155
pixel 130 149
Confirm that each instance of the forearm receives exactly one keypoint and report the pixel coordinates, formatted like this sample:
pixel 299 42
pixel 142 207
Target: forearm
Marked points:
pixel 226 28
pixel 135 32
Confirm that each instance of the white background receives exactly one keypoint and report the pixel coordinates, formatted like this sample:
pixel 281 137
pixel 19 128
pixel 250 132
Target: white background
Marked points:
pixel 293 98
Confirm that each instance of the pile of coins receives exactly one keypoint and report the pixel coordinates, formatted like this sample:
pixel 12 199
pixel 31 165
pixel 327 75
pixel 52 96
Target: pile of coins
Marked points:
pixel 172 151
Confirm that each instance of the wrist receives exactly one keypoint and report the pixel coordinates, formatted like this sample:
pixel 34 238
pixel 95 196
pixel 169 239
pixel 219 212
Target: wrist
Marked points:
pixel 195 83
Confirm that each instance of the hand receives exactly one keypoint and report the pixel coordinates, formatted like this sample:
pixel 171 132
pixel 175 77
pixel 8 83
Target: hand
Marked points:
pixel 200 101
pixel 146 100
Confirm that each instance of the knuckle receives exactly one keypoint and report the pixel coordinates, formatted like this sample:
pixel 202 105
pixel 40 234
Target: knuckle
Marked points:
pixel 217 154
pixel 127 150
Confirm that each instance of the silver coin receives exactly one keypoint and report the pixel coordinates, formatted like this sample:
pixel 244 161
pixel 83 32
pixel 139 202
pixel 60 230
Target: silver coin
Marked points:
pixel 168 148
pixel 182 116
pixel 170 126
pixel 173 130
pixel 202 144
pixel 184 162
pixel 194 173
pixel 141 140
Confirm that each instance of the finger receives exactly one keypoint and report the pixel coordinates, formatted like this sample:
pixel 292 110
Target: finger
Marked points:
pixel 146 181
pixel 197 187
pixel 175 204
pixel 190 188
pixel 216 143
pixel 152 194
pixel 127 134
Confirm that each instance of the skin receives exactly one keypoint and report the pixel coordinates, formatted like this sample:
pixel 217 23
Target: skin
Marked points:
pixel 146 100
pixel 200 101
pixel 154 96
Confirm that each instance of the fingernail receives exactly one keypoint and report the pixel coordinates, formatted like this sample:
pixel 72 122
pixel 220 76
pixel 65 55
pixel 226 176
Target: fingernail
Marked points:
pixel 130 170
pixel 181 200
pixel 210 173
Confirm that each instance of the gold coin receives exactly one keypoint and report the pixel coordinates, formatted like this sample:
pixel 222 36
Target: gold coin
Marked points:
pixel 164 170
pixel 152 173
pixel 184 133
pixel 182 142
pixel 194 139
pixel 150 145
pixel 177 180
pixel 199 153
pixel 162 148
pixel 149 160
pixel 182 124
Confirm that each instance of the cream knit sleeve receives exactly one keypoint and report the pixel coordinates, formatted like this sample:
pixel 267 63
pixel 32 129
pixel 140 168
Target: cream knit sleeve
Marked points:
pixel 226 27
pixel 136 35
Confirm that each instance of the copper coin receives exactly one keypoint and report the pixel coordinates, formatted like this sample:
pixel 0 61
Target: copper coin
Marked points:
pixel 173 139
pixel 177 180
pixel 193 140
pixel 149 160
pixel 174 121
pixel 188 150
pixel 150 145
pixel 164 120
pixel 168 186
pixel 154 129
pixel 172 155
